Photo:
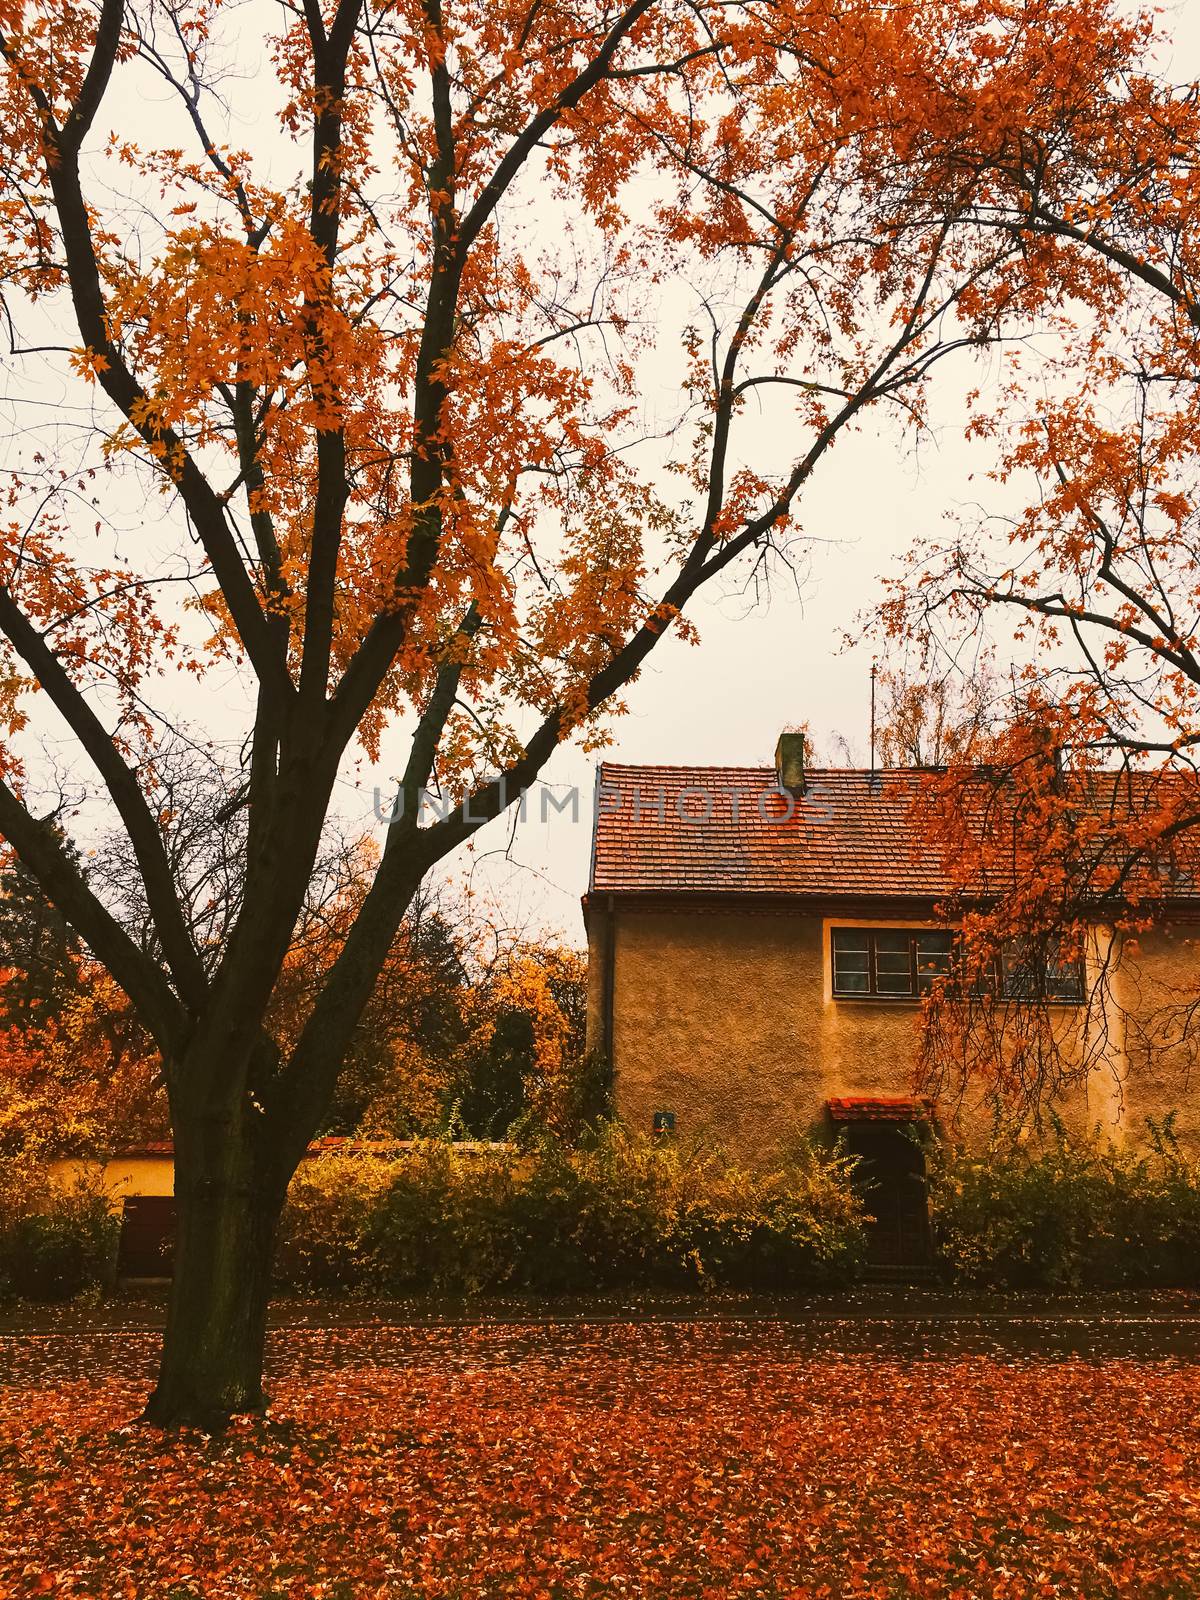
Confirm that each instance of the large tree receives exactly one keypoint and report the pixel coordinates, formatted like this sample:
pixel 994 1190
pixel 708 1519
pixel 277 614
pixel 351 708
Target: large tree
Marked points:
pixel 361 452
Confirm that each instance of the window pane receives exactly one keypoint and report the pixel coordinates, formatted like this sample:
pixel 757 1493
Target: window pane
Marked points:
pixel 934 954
pixel 893 963
pixel 879 961
pixel 1018 971
pixel 897 986
pixel 1064 982
pixel 894 983
pixel 851 982
pixel 1028 975
pixel 1064 986
pixel 851 961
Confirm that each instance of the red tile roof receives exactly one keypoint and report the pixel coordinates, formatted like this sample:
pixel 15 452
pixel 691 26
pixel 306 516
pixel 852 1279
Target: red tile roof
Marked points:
pixel 878 1108
pixel 729 830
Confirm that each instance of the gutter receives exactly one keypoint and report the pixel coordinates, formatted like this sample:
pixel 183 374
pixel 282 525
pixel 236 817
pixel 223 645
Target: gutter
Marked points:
pixel 595 828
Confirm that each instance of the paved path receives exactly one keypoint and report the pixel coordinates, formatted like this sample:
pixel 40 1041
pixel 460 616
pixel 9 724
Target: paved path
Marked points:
pixel 304 1347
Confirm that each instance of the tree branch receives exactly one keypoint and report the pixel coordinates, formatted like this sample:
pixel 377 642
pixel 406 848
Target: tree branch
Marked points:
pixel 178 948
pixel 40 850
pixel 114 376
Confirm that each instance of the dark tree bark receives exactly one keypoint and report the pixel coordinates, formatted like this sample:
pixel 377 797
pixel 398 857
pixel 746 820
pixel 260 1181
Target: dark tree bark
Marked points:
pixel 213 1346
pixel 240 1130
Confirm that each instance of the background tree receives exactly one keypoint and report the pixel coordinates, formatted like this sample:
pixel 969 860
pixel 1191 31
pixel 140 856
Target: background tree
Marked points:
pixel 400 1071
pixel 83 1081
pixel 359 472
pixel 525 1059
pixel 930 720
pixel 492 1092
pixel 463 1004
pixel 38 950
pixel 78 1072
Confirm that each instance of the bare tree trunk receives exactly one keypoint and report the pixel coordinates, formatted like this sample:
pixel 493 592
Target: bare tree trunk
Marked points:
pixel 241 1127
pixel 228 1217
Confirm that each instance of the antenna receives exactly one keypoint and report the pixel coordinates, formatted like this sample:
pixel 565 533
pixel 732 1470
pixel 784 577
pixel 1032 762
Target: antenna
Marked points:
pixel 874 675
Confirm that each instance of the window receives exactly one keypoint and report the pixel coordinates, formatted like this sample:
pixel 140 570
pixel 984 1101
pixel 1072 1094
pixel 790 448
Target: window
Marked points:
pixel 905 963
pixel 1030 973
pixel 890 963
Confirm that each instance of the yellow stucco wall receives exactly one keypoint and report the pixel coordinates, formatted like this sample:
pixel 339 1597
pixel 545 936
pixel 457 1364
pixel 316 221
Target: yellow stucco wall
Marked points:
pixel 124 1175
pixel 154 1174
pixel 728 1020
pixel 1157 991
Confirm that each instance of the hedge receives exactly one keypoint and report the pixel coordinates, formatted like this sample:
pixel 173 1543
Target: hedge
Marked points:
pixel 629 1214
pixel 624 1214
pixel 56 1240
pixel 1067 1213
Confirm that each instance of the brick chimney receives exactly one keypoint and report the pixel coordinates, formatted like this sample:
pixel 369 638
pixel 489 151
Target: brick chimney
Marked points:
pixel 789 762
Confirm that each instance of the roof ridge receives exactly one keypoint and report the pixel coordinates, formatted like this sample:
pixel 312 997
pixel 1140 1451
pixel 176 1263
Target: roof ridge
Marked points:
pixel 750 766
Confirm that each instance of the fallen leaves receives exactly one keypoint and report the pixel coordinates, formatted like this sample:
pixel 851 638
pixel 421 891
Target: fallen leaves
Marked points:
pixel 621 1459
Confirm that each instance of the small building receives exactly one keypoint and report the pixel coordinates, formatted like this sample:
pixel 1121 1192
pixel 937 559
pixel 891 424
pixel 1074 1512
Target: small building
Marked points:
pixel 140 1185
pixel 760 943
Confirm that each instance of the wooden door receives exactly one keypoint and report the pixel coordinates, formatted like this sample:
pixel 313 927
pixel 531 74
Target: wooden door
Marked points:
pixel 147 1236
pixel 891 1178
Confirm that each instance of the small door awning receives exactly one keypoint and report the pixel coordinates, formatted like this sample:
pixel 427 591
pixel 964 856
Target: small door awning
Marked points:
pixel 879 1108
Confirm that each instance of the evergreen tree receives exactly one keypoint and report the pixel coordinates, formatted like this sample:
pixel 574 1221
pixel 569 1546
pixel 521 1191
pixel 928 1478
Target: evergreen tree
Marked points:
pixel 37 950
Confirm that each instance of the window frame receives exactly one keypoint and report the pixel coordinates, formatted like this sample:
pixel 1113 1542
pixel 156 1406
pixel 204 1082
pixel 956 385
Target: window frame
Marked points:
pixel 871 932
pixel 1001 985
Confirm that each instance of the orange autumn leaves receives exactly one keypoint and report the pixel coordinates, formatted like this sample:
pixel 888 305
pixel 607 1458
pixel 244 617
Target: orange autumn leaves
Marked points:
pixel 89 1082
pixel 424 379
pixel 80 1076
pixel 1079 566
pixel 84 1080
pixel 693 1460
pixel 837 144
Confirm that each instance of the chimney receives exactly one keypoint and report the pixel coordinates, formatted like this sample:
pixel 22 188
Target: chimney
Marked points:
pixel 789 762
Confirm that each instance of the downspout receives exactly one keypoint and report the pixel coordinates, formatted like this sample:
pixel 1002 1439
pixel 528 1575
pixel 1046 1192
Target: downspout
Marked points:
pixel 608 990
pixel 610 987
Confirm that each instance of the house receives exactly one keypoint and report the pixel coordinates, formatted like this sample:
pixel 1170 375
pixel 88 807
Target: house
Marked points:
pixel 760 940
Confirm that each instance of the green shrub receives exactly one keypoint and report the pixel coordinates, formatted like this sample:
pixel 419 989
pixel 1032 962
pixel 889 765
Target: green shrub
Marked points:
pixel 444 1222
pixel 600 1218
pixel 622 1213
pixel 326 1222
pixel 797 1227
pixel 1068 1214
pixel 56 1240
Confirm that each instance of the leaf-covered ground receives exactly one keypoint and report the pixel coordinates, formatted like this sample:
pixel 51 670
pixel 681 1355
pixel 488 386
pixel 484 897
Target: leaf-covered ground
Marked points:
pixel 615 1460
